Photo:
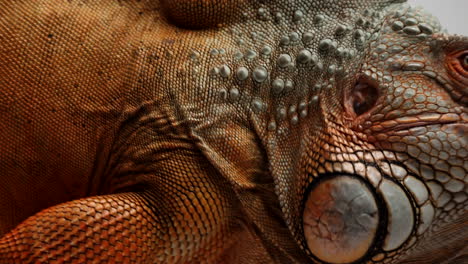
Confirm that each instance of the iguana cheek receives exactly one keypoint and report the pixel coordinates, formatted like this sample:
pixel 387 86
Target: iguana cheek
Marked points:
pixel 341 219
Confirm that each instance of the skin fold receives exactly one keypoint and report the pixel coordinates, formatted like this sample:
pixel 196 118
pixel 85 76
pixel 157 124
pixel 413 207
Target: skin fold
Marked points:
pixel 222 131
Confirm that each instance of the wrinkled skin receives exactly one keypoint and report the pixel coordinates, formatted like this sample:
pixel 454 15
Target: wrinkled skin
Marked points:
pixel 231 132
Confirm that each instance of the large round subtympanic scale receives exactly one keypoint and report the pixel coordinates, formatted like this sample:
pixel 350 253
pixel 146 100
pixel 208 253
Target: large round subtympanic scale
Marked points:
pixel 340 219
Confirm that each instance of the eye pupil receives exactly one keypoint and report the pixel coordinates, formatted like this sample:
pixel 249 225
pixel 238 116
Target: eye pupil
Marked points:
pixel 364 97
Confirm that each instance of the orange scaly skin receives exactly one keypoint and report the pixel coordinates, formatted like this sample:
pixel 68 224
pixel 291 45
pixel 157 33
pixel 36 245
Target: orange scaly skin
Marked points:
pixel 185 131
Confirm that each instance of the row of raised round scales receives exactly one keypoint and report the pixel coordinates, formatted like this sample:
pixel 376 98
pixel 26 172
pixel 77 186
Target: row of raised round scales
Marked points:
pixel 401 217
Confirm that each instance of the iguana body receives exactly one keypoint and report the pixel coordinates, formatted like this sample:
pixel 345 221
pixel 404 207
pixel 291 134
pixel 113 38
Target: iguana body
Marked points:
pixel 231 132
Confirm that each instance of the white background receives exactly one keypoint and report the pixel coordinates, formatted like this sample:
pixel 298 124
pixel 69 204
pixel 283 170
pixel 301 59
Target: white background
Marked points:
pixel 452 14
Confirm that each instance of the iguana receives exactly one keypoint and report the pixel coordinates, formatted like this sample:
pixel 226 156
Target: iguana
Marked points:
pixel 222 131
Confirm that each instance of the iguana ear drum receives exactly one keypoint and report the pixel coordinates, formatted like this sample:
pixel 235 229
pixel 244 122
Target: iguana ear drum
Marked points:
pixel 341 219
pixel 344 221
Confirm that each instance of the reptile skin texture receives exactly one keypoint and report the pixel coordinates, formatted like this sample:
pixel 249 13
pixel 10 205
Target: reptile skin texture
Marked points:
pixel 222 131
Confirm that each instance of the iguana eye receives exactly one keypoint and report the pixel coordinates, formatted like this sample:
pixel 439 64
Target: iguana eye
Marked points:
pixel 464 61
pixel 458 66
pixel 363 97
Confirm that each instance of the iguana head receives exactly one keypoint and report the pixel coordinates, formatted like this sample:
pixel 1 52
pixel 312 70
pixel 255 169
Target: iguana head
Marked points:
pixel 361 110
pixel 380 158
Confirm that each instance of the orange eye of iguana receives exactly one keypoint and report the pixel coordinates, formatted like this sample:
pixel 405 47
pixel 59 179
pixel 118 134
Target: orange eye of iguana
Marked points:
pixel 464 61
pixel 458 66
